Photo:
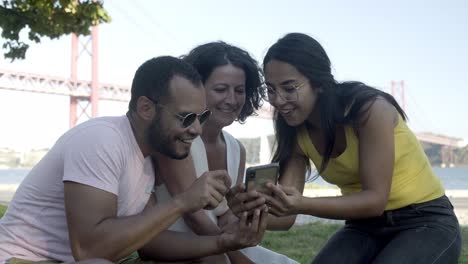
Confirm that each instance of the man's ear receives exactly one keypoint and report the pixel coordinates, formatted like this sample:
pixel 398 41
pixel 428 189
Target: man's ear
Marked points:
pixel 145 108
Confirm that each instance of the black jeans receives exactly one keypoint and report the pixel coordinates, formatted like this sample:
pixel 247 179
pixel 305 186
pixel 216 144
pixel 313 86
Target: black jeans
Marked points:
pixel 419 233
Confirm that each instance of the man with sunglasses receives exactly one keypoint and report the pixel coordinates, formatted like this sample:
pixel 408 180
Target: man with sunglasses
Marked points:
pixel 91 196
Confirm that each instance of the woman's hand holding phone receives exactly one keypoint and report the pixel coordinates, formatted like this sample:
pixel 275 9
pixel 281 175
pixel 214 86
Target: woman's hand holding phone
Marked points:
pixel 240 201
pixel 250 196
pixel 286 200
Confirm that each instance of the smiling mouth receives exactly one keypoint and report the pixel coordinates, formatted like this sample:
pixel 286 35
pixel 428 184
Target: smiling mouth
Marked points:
pixel 286 112
pixel 187 141
pixel 230 110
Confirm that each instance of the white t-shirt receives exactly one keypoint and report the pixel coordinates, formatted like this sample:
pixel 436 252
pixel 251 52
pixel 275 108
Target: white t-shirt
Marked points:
pixel 101 153
pixel 257 254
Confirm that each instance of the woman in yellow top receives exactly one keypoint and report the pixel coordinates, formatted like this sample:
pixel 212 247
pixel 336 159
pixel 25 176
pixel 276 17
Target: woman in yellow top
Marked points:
pixel 356 136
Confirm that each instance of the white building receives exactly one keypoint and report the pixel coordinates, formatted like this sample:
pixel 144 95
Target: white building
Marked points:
pixel 257 130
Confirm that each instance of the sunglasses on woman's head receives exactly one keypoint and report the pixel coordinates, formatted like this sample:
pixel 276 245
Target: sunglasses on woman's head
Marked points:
pixel 187 119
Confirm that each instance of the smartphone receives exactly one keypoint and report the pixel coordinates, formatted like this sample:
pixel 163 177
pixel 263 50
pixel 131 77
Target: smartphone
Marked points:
pixel 256 177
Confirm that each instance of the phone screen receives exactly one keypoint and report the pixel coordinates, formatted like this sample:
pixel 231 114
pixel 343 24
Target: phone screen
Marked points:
pixel 257 177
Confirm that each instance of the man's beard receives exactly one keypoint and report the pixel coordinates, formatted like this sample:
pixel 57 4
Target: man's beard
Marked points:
pixel 160 141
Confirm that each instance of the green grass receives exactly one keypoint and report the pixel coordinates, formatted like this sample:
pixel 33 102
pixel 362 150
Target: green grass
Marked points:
pixel 2 210
pixel 302 243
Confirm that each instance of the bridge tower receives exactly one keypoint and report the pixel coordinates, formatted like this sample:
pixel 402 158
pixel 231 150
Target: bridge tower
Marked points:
pixel 80 105
pixel 397 89
pixel 447 156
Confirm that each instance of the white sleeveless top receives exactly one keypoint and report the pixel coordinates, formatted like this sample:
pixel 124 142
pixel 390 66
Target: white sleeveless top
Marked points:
pixel 200 161
pixel 257 254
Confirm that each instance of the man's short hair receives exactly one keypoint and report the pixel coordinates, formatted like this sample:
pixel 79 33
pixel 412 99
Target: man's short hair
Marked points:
pixel 152 78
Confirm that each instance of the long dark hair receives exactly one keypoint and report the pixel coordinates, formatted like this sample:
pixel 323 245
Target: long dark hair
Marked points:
pixel 310 59
pixel 207 57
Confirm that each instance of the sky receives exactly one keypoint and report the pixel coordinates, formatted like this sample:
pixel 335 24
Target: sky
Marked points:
pixel 423 43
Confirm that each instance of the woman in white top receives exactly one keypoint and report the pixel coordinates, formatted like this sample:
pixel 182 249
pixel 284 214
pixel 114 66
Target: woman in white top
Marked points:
pixel 232 81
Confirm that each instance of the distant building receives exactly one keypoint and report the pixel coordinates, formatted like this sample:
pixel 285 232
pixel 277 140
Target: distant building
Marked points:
pixel 10 158
pixel 257 136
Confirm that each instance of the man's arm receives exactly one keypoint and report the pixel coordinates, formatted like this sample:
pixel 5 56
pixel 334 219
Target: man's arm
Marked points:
pixel 189 246
pixel 178 175
pixel 96 232
pixel 176 246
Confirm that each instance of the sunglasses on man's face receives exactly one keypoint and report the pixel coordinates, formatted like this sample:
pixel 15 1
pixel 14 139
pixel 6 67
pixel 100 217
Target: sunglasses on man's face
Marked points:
pixel 189 118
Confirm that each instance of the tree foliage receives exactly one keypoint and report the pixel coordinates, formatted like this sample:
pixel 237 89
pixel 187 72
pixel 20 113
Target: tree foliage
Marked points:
pixel 46 18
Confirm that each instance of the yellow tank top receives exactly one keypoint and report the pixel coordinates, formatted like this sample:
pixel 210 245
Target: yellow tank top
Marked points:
pixel 413 179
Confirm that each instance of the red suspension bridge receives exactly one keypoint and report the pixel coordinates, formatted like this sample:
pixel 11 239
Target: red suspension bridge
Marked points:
pixel 85 95
pixel 80 96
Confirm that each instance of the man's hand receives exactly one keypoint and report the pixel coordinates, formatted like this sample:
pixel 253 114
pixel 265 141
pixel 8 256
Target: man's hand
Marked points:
pixel 285 202
pixel 246 233
pixel 206 192
pixel 227 218
pixel 240 201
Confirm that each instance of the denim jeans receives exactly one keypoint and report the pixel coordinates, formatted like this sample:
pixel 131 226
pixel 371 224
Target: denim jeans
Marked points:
pixel 419 233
